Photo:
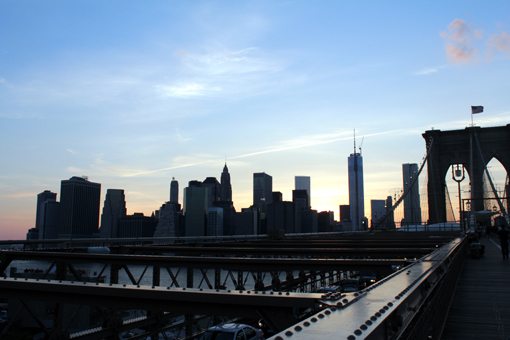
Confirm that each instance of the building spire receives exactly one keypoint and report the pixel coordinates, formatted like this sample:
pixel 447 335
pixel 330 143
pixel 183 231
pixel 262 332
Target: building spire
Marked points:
pixel 355 141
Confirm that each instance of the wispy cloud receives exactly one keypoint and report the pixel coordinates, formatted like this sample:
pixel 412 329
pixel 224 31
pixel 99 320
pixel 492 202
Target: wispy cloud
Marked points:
pixel 281 146
pixel 184 90
pixel 300 142
pixel 225 62
pixel 462 43
pixel 179 137
pixel 499 43
pixel 429 70
pixel 76 171
pixel 19 195
pixel 460 38
pixel 220 71
pixel 179 162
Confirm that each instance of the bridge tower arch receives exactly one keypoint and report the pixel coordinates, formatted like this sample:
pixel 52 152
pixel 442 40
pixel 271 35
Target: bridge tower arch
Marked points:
pixel 473 147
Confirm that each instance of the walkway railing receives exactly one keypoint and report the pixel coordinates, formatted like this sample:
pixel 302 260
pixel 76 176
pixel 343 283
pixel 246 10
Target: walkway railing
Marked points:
pixel 409 304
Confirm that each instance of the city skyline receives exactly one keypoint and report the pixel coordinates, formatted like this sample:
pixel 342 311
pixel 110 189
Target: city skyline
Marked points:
pixel 132 95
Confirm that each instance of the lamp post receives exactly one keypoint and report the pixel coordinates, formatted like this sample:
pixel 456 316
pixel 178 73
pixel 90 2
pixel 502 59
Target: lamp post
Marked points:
pixel 458 175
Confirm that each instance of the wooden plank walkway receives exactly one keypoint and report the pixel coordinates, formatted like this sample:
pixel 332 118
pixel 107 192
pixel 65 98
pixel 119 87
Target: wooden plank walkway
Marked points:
pixel 481 305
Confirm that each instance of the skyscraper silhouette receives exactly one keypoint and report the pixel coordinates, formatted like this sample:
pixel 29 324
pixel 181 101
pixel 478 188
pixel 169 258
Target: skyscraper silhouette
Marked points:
pixel 174 191
pixel 195 209
pixel 412 209
pixel 303 183
pixel 226 187
pixel 213 190
pixel 79 208
pixel 262 190
pixel 113 210
pixel 42 199
pixel 356 196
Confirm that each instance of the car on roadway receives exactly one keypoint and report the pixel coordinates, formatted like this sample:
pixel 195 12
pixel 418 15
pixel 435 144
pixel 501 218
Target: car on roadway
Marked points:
pixel 328 289
pixel 232 331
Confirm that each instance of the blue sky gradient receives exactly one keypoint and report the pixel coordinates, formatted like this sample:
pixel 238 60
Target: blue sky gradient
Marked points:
pixel 134 93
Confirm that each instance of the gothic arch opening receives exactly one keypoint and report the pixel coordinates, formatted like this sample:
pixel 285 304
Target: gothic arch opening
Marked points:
pixel 499 176
pixel 455 175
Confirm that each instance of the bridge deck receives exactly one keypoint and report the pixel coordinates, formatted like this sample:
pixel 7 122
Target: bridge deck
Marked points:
pixel 481 305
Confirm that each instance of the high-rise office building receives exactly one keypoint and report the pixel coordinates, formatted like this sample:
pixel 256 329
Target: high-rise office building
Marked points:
pixel 325 221
pixel 114 208
pixel 280 215
pixel 213 190
pixel 195 209
pixel 215 221
pixel 345 213
pixel 79 208
pixel 226 187
pixel 136 225
pixel 262 190
pixel 301 208
pixel 378 213
pixel 303 183
pixel 412 209
pixel 49 229
pixel 245 222
pixel 168 221
pixel 356 196
pixel 42 198
pixel 174 191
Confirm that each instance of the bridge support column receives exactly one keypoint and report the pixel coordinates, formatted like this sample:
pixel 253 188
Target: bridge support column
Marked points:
pixel 114 273
pixel 61 271
pixel 240 280
pixel 217 279
pixel 156 275
pixel 189 277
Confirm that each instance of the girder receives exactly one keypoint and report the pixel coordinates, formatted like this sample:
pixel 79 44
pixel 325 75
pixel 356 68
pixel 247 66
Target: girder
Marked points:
pixel 232 278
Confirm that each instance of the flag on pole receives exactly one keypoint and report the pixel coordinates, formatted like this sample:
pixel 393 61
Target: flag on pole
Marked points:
pixel 476 109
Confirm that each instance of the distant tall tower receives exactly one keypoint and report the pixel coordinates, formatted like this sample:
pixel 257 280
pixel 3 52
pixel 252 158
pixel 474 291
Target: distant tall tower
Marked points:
pixel 262 190
pixel 303 183
pixel 356 196
pixel 226 187
pixel 195 209
pixel 213 190
pixel 79 208
pixel 47 215
pixel 42 198
pixel 113 210
pixel 412 209
pixel 174 191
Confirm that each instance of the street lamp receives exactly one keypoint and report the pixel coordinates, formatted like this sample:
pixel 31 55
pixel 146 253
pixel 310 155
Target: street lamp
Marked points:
pixel 458 175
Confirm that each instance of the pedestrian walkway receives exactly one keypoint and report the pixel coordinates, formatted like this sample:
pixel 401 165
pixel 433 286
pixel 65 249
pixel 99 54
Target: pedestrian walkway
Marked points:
pixel 481 305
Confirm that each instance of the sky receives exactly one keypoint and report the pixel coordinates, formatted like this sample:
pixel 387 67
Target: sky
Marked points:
pixel 133 93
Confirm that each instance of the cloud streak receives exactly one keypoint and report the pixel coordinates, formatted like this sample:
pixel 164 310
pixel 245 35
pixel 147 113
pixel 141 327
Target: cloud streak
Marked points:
pixel 185 90
pixel 220 71
pixel 282 146
pixel 429 70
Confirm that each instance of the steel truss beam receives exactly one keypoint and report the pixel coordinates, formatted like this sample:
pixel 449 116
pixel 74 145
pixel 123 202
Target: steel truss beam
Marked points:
pixel 408 304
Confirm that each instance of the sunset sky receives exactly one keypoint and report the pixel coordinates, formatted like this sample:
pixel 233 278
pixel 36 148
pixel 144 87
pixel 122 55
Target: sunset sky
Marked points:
pixel 133 93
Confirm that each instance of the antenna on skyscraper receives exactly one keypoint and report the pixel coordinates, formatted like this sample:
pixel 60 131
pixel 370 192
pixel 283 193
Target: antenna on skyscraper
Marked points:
pixel 354 141
pixel 361 144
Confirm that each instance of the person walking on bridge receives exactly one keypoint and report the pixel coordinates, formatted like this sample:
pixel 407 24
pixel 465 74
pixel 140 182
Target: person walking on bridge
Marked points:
pixel 503 241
